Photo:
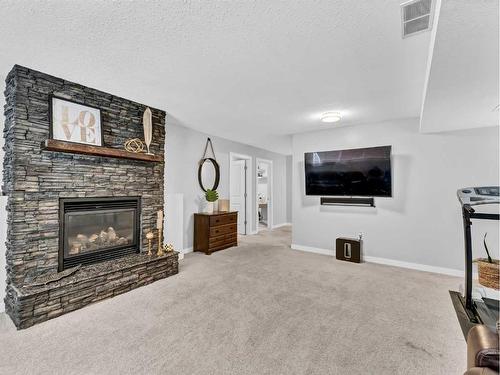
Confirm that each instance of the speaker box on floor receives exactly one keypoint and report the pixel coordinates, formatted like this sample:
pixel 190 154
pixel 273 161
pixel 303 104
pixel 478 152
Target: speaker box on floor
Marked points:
pixel 348 249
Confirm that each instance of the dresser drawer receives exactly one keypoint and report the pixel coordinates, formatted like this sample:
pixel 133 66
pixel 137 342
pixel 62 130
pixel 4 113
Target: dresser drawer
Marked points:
pixel 222 247
pixel 223 220
pixel 223 229
pixel 220 240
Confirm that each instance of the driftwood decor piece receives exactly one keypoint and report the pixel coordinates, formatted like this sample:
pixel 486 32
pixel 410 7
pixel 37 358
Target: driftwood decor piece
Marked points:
pixel 75 148
pixel 147 123
pixel 134 145
pixel 168 248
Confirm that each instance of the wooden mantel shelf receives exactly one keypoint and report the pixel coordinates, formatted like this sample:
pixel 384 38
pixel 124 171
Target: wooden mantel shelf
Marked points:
pixel 77 148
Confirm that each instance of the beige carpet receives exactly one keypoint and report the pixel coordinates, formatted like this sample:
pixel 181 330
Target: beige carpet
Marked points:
pixel 261 308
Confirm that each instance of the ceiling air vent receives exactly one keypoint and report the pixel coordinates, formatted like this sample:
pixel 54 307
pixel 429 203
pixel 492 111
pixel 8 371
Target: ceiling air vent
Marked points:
pixel 416 16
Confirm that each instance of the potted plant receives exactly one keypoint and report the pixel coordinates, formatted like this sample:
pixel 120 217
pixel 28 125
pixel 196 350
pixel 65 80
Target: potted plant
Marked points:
pixel 488 269
pixel 211 196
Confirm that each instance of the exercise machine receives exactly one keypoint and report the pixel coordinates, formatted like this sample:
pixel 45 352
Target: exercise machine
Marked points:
pixel 475 311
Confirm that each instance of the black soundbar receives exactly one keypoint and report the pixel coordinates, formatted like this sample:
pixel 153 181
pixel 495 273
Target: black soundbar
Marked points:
pixel 347 201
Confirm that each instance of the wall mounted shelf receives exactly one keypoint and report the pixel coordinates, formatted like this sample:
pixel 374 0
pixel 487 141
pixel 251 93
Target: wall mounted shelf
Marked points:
pixel 77 148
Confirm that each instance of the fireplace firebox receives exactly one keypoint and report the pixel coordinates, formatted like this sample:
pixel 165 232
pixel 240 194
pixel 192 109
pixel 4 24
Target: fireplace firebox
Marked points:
pixel 96 229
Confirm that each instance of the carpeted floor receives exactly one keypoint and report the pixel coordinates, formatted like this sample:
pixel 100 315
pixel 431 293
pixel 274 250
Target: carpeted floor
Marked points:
pixel 261 308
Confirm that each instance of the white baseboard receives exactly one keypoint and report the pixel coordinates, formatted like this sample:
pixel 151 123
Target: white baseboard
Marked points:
pixel 414 266
pixel 281 225
pixel 185 251
pixel 387 262
pixel 315 250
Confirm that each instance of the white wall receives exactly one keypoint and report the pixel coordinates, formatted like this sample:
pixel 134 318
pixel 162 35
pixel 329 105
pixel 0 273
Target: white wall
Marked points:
pixel 422 222
pixel 289 187
pixel 184 148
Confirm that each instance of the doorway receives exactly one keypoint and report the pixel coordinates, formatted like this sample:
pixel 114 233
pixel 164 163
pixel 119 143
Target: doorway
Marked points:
pixel 264 194
pixel 240 187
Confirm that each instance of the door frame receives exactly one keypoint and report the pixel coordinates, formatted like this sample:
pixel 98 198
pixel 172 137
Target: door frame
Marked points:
pixel 270 197
pixel 233 156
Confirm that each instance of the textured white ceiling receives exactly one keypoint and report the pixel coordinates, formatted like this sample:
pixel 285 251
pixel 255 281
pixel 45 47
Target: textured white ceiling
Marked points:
pixel 251 71
pixel 462 83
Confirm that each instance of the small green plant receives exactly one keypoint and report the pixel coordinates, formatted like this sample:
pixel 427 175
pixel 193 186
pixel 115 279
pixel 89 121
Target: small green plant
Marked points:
pixel 211 195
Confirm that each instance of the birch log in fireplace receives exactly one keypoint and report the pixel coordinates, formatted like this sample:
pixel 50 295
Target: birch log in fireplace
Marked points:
pixel 68 208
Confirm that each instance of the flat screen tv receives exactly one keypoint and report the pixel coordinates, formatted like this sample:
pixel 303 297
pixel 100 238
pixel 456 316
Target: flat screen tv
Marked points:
pixel 364 172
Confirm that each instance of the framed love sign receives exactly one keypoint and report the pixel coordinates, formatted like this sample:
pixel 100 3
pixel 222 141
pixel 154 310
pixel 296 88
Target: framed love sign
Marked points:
pixel 75 122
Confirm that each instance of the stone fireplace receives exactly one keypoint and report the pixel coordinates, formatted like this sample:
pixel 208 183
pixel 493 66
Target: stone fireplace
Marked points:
pixel 77 222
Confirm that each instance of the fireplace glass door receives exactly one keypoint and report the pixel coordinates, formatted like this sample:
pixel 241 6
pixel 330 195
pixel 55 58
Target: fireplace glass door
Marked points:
pixel 97 230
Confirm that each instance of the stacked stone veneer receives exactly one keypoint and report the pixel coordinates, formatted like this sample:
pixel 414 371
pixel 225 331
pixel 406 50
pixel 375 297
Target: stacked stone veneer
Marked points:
pixel 35 179
pixel 33 304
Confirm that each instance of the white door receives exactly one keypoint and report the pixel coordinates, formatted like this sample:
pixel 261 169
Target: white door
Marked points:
pixel 237 192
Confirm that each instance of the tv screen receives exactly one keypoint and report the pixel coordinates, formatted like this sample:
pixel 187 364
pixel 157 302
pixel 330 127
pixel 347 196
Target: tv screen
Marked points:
pixel 355 172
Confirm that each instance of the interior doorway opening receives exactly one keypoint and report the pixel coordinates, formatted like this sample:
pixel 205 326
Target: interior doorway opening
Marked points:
pixel 240 190
pixel 264 194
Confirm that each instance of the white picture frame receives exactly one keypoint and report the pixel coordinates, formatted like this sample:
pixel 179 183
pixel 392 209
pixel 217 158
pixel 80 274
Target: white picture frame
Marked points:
pixel 75 122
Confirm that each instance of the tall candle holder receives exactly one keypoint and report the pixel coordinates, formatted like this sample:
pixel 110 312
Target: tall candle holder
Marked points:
pixel 150 236
pixel 159 226
pixel 160 247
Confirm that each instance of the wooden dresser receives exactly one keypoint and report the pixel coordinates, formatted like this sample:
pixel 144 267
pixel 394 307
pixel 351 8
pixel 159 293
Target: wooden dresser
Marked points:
pixel 216 231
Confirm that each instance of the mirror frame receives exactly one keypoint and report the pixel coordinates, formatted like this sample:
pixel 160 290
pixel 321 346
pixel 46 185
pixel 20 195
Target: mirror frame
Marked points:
pixel 217 173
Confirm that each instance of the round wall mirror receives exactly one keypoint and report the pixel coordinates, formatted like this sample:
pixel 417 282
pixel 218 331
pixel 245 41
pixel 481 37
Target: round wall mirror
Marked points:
pixel 208 174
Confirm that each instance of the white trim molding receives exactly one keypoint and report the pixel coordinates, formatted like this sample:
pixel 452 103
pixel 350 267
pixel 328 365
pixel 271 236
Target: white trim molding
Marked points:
pixel 414 266
pixel 250 212
pixel 386 262
pixel 281 225
pixel 270 203
pixel 315 250
pixel 185 251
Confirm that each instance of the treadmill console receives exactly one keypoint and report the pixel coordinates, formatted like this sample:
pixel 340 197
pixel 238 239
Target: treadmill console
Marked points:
pixel 479 195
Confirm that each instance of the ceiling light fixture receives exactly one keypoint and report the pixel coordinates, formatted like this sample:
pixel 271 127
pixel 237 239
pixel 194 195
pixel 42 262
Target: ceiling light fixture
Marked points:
pixel 331 117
